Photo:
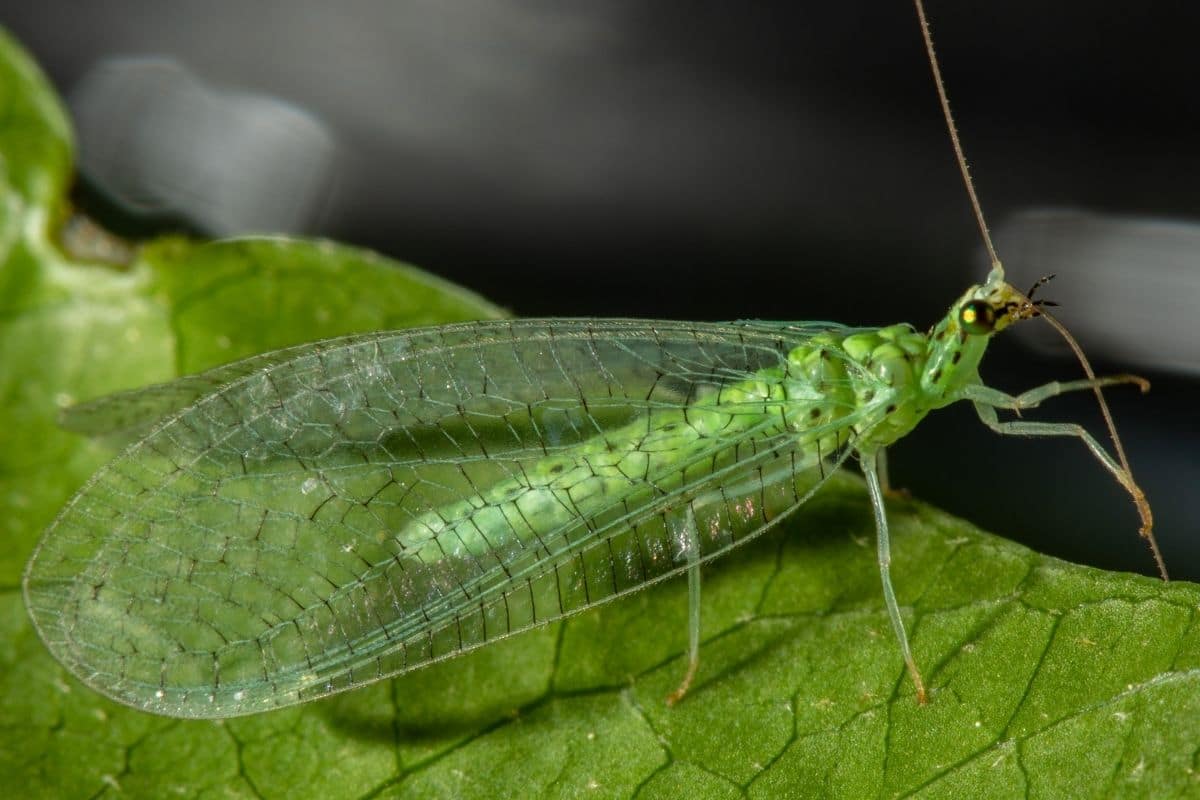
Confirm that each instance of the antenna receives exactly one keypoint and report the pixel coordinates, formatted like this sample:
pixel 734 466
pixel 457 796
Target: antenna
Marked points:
pixel 958 150
pixel 1126 477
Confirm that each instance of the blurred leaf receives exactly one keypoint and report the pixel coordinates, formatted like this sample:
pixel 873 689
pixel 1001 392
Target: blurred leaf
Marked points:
pixel 1048 680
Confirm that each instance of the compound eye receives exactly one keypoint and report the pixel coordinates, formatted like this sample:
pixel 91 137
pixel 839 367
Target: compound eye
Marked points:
pixel 977 317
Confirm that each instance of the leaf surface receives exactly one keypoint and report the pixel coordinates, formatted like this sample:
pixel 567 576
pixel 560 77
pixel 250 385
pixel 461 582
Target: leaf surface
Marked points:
pixel 1047 679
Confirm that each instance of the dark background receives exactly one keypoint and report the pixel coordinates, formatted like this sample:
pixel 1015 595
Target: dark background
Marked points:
pixel 771 160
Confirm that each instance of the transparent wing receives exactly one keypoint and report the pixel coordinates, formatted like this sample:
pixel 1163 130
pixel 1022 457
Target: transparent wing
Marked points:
pixel 129 415
pixel 364 506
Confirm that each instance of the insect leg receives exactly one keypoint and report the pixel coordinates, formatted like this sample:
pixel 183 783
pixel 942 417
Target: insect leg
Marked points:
pixel 987 400
pixel 881 469
pixel 1034 397
pixel 689 538
pixel 885 483
pixel 885 569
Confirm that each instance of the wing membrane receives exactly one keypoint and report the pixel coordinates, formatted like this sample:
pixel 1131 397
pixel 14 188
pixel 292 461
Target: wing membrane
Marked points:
pixel 128 415
pixel 303 523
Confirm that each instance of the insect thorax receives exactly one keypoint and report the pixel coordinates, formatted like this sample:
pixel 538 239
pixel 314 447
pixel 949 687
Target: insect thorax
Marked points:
pixel 873 375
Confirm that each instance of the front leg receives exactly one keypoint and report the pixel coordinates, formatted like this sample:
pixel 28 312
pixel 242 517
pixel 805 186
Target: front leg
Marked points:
pixel 986 400
pixel 1032 398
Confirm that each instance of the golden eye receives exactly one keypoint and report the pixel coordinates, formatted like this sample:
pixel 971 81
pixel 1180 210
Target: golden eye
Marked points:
pixel 977 318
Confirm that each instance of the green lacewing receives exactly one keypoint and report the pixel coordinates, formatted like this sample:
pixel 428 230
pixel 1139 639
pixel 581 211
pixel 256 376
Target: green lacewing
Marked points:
pixel 317 518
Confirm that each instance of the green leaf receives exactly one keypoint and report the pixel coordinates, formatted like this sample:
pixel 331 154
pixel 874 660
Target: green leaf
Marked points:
pixel 1047 679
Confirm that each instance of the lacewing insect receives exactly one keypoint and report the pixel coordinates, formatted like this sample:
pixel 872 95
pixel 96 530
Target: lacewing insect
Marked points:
pixel 320 517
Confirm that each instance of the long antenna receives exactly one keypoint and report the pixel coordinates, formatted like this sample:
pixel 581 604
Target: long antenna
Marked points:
pixel 958 150
pixel 1126 476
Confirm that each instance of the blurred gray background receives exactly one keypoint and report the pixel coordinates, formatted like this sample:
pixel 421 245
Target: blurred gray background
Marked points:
pixel 771 160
